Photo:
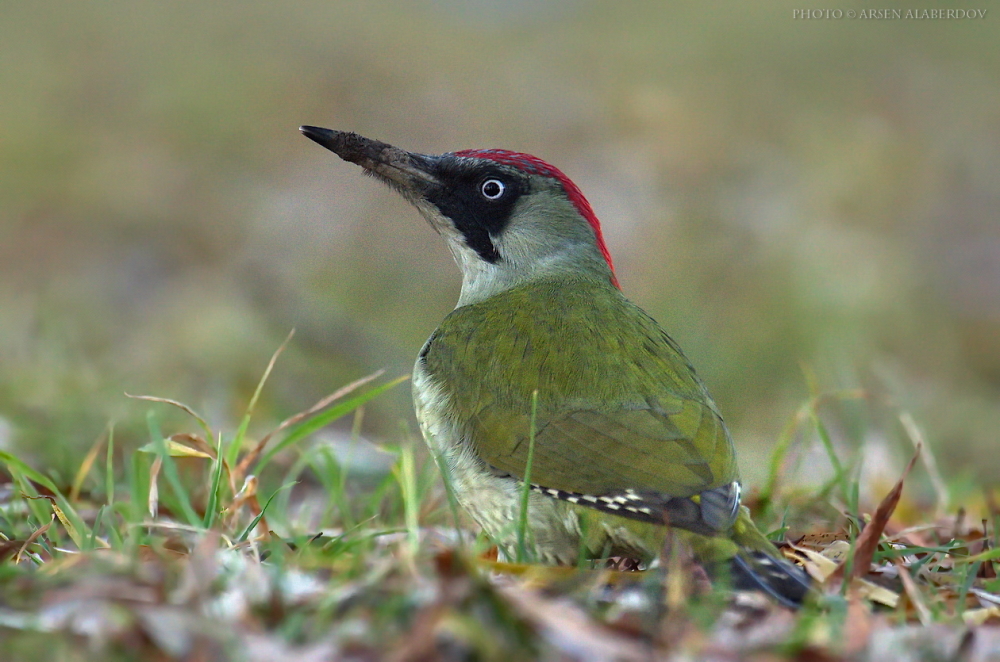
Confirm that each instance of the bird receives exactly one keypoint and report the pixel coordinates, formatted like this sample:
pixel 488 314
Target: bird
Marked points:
pixel 545 362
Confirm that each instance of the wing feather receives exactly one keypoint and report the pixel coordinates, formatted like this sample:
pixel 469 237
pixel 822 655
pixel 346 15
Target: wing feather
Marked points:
pixel 629 414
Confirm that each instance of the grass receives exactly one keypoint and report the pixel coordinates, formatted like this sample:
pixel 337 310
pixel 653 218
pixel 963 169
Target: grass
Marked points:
pixel 522 519
pixel 200 547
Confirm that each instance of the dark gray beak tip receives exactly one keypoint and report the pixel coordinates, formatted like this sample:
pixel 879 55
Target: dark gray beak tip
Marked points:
pixel 324 137
pixel 406 170
pixel 350 146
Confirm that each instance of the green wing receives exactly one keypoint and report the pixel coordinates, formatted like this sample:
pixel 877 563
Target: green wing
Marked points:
pixel 600 451
pixel 626 413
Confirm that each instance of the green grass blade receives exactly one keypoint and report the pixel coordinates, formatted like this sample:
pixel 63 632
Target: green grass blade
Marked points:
pixel 840 474
pixel 170 471
pixel 283 504
pixel 407 476
pixel 886 554
pixel 34 505
pixel 522 521
pixel 138 481
pixel 233 452
pixel 123 510
pixel 213 489
pixel 92 538
pixel 988 555
pixel 256 520
pixel 779 454
pixel 16 467
pixel 332 474
pixel 298 432
pixel 971 571
pixel 109 470
pixel 14 463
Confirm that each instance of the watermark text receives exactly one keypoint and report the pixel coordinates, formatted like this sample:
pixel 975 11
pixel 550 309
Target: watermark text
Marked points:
pixel 890 14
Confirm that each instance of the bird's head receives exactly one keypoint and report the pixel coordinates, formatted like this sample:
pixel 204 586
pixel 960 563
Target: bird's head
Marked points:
pixel 509 218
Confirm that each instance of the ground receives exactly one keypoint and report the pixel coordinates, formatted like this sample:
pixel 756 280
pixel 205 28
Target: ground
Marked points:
pixel 177 555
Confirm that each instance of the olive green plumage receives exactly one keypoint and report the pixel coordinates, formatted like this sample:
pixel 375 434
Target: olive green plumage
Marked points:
pixel 629 413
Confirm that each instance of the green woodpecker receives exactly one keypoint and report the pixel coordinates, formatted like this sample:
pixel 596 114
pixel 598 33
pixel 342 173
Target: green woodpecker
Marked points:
pixel 627 443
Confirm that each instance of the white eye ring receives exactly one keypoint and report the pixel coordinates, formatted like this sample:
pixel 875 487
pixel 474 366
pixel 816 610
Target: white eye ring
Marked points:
pixel 492 189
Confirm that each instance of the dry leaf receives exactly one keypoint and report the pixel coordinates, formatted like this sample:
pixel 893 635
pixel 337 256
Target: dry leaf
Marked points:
pixel 867 542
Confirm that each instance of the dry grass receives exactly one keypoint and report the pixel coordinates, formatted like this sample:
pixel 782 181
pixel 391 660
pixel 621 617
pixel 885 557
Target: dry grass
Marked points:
pixel 176 556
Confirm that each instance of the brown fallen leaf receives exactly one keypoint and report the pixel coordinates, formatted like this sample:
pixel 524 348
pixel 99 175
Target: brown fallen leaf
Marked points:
pixel 867 542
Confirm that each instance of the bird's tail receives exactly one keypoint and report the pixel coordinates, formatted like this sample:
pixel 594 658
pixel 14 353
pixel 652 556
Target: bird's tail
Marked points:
pixel 760 566
pixel 784 581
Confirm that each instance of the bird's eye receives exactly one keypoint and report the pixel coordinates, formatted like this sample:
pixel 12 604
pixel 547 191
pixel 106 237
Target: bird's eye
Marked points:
pixel 492 189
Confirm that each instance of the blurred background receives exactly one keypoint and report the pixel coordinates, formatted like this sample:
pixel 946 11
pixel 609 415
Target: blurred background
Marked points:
pixel 796 201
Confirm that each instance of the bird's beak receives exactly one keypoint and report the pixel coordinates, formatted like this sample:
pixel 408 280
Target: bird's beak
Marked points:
pixel 409 173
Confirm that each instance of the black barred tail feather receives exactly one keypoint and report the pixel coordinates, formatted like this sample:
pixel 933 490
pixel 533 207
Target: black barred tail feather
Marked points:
pixel 707 513
pixel 785 582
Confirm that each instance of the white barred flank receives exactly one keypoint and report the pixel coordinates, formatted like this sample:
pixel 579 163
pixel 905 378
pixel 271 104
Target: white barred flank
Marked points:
pixel 625 501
